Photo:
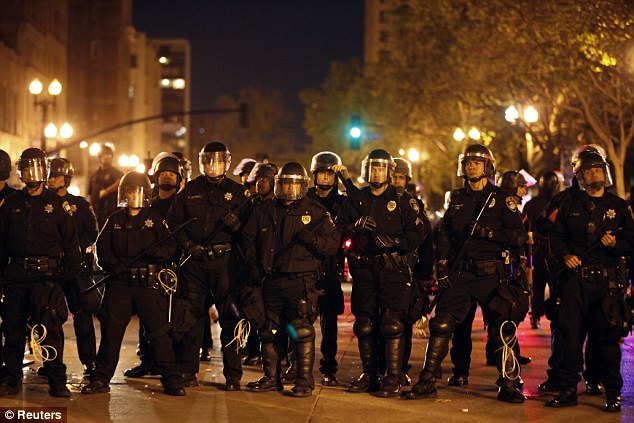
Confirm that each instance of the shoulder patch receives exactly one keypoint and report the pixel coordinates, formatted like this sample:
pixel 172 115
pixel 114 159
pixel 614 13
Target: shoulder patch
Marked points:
pixel 492 203
pixel 247 193
pixel 414 204
pixel 68 208
pixel 510 204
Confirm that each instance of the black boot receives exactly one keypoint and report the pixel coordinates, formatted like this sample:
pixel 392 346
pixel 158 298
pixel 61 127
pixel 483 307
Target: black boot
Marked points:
pixel 391 386
pixel 613 404
pixel 594 388
pixel 271 380
pixel 509 392
pixel 566 398
pixel 424 388
pixel 305 381
pixel 368 381
pixel 290 374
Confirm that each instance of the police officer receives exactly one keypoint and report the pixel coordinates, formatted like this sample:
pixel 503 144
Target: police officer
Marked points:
pixel 479 270
pixel 128 232
pixel 243 170
pixel 385 233
pixel 549 185
pixel 593 229
pixel 37 237
pixel 102 188
pixel 262 177
pixel 5 190
pixel 166 171
pixel 283 241
pixel 186 168
pixel 60 174
pixel 211 198
pixel 331 302
pixel 423 269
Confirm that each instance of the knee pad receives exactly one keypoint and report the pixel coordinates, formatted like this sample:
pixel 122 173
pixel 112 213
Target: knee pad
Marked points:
pixel 305 332
pixel 268 331
pixel 442 325
pixel 363 326
pixel 391 324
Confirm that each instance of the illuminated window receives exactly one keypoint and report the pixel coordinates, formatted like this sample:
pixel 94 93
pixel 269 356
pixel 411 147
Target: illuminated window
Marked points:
pixel 178 84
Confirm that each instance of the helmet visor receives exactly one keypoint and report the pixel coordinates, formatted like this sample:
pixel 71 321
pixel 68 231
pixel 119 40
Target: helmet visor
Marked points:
pixel 290 187
pixel 214 163
pixel 32 170
pixel 376 170
pixel 134 197
pixel 588 176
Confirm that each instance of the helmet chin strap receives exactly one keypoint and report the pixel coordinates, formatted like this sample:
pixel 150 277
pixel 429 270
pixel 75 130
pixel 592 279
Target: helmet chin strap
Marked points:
pixel 324 187
pixel 378 185
pixel 33 185
pixel 475 179
pixel 215 179
pixel 167 187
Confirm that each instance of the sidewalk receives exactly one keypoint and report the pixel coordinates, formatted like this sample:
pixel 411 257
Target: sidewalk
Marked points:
pixel 141 400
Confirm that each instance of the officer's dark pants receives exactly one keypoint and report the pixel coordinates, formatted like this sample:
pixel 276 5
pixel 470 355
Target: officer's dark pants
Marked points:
pixel 82 323
pixel 462 345
pixel 453 306
pixel 582 315
pixel 19 302
pixel 145 350
pixel 213 276
pixel 290 301
pixel 376 292
pixel 330 306
pixel 540 280
pixel 119 302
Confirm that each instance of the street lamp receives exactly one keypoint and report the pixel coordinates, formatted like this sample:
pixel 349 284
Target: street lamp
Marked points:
pixel 529 115
pixel 54 89
pixel 473 133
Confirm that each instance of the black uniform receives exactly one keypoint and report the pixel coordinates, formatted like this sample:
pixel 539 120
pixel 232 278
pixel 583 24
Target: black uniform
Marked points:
pixel 212 273
pixel 4 193
pixel 381 294
pixel 80 305
pixel 590 292
pixel 290 296
pixel 37 237
pixel 136 287
pixel 331 302
pixel 102 179
pixel 479 272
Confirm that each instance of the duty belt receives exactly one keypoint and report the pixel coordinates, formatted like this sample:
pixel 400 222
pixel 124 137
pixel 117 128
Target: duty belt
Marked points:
pixel 596 273
pixel 290 275
pixel 378 262
pixel 36 263
pixel 218 250
pixel 144 277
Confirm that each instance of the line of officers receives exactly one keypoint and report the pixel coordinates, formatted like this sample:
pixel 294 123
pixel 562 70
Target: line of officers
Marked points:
pixel 271 254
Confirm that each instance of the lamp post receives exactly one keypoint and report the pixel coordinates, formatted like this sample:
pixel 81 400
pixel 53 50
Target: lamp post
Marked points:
pixel 473 134
pixel 54 89
pixel 528 116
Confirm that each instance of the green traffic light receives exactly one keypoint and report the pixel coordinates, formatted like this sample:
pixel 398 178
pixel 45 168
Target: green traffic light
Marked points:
pixel 355 132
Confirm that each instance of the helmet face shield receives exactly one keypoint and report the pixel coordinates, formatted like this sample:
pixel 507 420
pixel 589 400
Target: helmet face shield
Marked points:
pixel 590 176
pixel 291 187
pixel 377 170
pixel 134 196
pixel 214 163
pixel 32 170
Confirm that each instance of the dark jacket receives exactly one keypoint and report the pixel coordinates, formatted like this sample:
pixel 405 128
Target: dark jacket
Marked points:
pixel 32 226
pixel 84 218
pixel 273 225
pixel 123 237
pixel 500 216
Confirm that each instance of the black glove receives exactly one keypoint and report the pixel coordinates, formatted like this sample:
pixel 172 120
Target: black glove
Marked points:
pixel 365 222
pixel 150 250
pixel 481 231
pixel 442 274
pixel 232 221
pixel 195 250
pixel 120 270
pixel 306 236
pixel 386 241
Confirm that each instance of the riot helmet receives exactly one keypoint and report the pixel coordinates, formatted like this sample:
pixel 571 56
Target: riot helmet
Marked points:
pixel 291 182
pixel 186 165
pixel 263 176
pixel 377 168
pixel 324 161
pixel 166 162
pixel 511 181
pixel 32 167
pixel 549 184
pixel 59 166
pixel 214 160
pixel 588 160
pixel 480 153
pixel 244 167
pixel 583 148
pixel 5 166
pixel 134 190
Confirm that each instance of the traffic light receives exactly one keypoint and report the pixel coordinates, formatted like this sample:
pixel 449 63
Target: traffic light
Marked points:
pixel 355 132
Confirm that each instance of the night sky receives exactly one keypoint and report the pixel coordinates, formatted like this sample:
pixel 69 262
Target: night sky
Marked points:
pixel 278 44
